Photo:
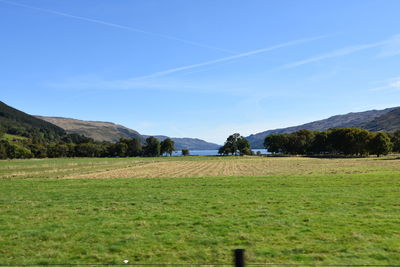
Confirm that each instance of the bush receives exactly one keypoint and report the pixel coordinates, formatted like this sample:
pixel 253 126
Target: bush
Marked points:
pixel 185 152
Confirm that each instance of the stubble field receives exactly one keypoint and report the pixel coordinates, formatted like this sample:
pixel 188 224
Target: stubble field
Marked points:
pixel 197 209
pixel 187 167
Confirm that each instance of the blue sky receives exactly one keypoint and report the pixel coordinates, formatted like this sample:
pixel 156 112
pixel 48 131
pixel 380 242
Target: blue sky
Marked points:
pixel 202 69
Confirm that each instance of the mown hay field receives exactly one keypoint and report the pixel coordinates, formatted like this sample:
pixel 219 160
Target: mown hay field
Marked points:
pixel 176 167
pixel 197 209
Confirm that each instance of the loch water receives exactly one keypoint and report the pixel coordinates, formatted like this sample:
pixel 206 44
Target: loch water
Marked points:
pixel 213 152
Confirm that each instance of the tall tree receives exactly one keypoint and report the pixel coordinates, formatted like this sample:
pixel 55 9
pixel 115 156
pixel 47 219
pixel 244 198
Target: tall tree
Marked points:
pixel 232 142
pixel 276 143
pixel 96 150
pixel 380 144
pixel 76 139
pixel 3 149
pixel 38 150
pixel 300 142
pixel 134 147
pixel 243 146
pixel 320 145
pixel 396 141
pixel 349 141
pixel 57 150
pixel 167 146
pixel 235 144
pixel 151 147
pixel 223 150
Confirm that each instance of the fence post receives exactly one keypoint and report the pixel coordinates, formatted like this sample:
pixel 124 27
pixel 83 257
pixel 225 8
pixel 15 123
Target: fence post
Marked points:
pixel 238 257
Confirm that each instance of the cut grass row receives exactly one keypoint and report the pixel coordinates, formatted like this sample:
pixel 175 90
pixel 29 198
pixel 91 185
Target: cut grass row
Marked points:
pixel 190 167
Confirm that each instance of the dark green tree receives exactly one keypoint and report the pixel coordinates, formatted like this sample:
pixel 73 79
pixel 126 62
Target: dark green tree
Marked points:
pixel 134 147
pixel 360 139
pixel 349 141
pixel 118 149
pixel 224 150
pixel 71 149
pixel 395 139
pixel 380 144
pixel 231 143
pixel 299 142
pixel 276 143
pixel 95 150
pixel 57 150
pixel 167 146
pixel 243 146
pixel 38 150
pixel 3 149
pixel 76 139
pixel 151 147
pixel 235 144
pixel 320 144
pixel 16 150
pixel 1 132
pixel 185 152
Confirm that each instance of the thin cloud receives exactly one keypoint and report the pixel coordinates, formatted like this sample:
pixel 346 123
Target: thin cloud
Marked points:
pixel 391 85
pixel 392 47
pixel 229 58
pixel 119 26
pixel 395 84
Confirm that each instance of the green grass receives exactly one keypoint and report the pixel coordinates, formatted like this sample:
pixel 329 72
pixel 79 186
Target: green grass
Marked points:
pixel 12 137
pixel 317 218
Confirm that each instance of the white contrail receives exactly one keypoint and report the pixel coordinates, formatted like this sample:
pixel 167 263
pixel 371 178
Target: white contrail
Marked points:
pixel 246 54
pixel 333 54
pixel 119 26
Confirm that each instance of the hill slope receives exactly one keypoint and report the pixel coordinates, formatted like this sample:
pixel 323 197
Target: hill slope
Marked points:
pixel 387 122
pixel 110 132
pixel 98 130
pixel 16 122
pixel 354 119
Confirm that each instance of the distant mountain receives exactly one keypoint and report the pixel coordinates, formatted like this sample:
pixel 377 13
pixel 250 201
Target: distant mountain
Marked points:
pixel 98 130
pixel 110 132
pixel 389 122
pixel 373 120
pixel 190 143
pixel 16 122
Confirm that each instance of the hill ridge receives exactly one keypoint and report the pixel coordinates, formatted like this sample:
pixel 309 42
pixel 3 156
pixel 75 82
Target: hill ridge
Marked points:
pixel 112 132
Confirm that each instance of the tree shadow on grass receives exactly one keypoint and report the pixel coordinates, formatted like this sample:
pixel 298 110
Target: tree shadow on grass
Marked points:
pixel 396 158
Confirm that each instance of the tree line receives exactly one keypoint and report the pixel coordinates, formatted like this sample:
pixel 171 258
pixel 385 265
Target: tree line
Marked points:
pixel 75 145
pixel 341 141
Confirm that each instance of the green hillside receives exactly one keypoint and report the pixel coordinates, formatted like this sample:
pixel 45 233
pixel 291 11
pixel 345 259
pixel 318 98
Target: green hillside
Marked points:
pixel 16 122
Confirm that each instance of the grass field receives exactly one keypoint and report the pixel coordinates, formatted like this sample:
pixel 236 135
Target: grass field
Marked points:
pixel 197 209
